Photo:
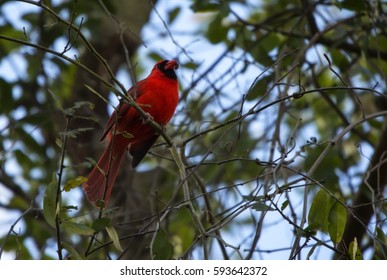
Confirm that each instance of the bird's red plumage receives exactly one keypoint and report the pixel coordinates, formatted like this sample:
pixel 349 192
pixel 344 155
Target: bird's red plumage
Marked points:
pixel 158 96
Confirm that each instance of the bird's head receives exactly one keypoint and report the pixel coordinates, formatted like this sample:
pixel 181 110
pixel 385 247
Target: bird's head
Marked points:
pixel 167 67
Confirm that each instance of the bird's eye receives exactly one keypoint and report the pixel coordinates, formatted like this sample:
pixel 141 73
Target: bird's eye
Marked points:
pixel 158 66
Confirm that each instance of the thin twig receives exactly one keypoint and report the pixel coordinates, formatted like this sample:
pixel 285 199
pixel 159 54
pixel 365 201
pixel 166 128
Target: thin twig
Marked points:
pixel 12 227
pixel 187 198
pixel 58 190
pixel 170 33
pixel 344 83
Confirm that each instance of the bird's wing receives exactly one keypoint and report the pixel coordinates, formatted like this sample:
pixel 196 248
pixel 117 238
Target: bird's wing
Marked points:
pixel 135 91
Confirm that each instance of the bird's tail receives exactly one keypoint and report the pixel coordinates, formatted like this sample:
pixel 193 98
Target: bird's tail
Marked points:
pixel 97 187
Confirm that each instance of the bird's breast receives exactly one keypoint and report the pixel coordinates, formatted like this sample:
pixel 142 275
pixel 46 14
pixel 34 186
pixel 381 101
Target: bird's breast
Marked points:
pixel 160 101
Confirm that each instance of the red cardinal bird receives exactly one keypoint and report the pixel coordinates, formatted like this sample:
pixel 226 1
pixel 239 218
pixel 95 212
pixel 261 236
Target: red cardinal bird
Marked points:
pixel 158 96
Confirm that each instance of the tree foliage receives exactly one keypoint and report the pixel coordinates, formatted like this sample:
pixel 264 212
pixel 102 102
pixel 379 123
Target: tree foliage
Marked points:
pixel 278 143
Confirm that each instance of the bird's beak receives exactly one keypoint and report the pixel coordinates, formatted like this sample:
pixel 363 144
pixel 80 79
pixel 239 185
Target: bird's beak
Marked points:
pixel 171 64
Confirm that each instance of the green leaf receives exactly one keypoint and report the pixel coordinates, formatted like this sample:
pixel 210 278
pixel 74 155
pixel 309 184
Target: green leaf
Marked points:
pixel 205 6
pixel 381 245
pixel 78 105
pixel 319 211
pixel 126 134
pixel 307 232
pixel 77 228
pixel 57 102
pixel 74 255
pixel 354 251
pixel 114 237
pixel 311 251
pixel 6 45
pixel 155 56
pixel 331 180
pixel 49 200
pixel 31 142
pixel 7 103
pixel 262 56
pixel 58 142
pixel 381 235
pixel 260 87
pixel 75 132
pixel 261 207
pixel 253 197
pixel 284 205
pixel 71 184
pixel 23 159
pixel 172 15
pixel 190 65
pixel 336 221
pixel 68 208
pixel 353 5
pixel 100 224
pixel 182 235
pixel 216 32
pixel 162 248
pixel 339 59
pixel 269 42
